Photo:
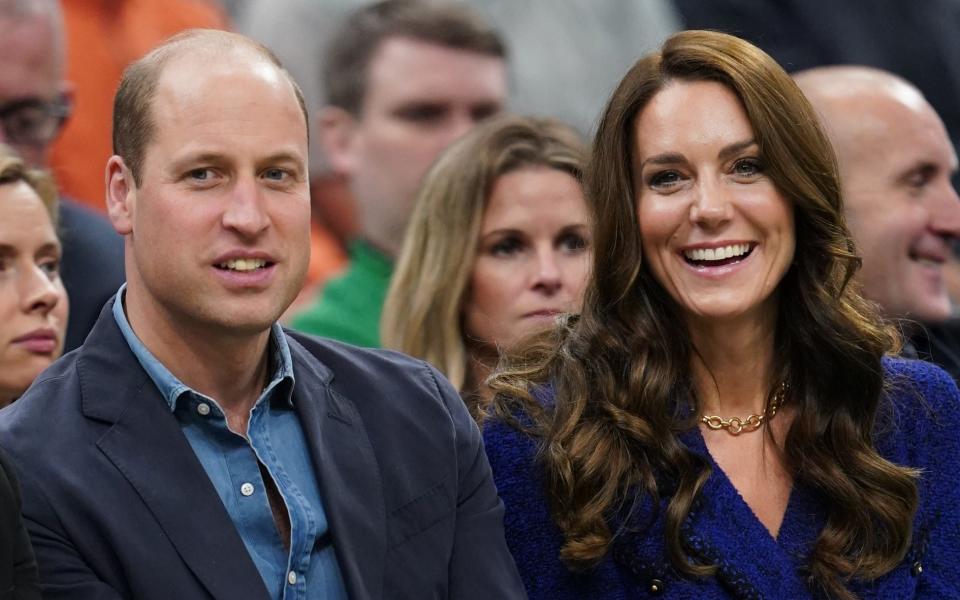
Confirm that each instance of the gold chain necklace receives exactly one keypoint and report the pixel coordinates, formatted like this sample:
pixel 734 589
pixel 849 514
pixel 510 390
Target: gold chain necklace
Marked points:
pixel 736 425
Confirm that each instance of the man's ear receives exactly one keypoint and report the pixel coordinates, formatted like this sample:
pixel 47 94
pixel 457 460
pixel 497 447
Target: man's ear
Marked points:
pixel 121 195
pixel 337 131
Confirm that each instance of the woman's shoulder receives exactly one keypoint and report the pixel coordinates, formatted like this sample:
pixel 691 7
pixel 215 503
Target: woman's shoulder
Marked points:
pixel 925 376
pixel 920 419
pixel 919 387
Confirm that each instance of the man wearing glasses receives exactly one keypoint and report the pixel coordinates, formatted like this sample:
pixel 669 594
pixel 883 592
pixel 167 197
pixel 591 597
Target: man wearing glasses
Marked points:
pixel 34 104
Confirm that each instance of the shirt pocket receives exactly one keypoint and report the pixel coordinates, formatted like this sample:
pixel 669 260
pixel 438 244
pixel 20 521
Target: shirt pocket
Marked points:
pixel 423 512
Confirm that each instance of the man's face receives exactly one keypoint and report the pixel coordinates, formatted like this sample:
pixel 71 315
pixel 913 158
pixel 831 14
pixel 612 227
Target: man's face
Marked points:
pixel 218 230
pixel 30 73
pixel 896 161
pixel 420 98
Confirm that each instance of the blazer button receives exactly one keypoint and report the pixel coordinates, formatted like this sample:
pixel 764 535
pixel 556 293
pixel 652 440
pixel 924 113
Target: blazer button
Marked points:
pixel 656 587
pixel 916 569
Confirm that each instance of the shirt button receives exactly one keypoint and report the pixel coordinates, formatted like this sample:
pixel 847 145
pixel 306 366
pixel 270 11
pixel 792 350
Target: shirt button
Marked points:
pixel 292 578
pixel 203 408
pixel 247 490
pixel 917 569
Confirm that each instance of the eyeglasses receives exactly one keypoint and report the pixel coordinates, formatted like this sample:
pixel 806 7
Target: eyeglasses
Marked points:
pixel 33 121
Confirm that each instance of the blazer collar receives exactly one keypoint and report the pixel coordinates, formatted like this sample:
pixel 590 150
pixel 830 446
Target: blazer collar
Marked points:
pixel 148 448
pixel 348 474
pixel 722 529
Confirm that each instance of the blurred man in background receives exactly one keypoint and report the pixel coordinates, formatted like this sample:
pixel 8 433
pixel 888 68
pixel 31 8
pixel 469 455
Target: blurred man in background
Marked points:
pixel 896 162
pixel 404 79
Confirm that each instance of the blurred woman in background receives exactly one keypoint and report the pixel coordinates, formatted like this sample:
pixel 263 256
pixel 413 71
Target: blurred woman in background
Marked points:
pixel 725 418
pixel 33 302
pixel 497 247
pixel 31 336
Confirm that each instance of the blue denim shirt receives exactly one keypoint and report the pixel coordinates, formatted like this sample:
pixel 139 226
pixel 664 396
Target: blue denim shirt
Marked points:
pixel 276 438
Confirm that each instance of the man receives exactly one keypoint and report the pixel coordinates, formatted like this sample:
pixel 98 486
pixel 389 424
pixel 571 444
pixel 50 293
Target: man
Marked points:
pixel 403 79
pixel 34 104
pixel 194 449
pixel 896 162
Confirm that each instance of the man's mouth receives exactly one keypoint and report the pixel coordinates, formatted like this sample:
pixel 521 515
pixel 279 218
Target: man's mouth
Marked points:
pixel 243 265
pixel 719 256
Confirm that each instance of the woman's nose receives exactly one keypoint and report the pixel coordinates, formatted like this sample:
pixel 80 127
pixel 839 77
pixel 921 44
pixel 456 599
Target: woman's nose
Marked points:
pixel 40 291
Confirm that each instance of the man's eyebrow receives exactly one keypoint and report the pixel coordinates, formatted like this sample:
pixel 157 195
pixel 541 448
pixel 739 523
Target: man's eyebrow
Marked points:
pixel 198 158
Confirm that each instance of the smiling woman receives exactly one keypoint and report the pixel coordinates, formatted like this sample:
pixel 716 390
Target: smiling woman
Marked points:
pixel 33 302
pixel 498 246
pixel 724 419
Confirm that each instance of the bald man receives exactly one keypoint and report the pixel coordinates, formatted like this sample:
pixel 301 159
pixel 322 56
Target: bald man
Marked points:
pixel 192 448
pixel 896 161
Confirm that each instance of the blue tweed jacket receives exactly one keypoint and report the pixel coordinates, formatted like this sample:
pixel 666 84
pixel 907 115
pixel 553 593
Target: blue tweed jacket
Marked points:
pixel 923 431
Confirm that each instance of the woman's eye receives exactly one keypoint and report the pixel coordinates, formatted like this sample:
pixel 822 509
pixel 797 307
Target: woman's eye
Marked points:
pixel 573 242
pixel 51 268
pixel 748 166
pixel 506 247
pixel 664 180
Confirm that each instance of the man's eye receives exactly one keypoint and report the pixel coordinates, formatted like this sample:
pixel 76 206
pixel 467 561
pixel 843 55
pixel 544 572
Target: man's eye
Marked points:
pixel 204 174
pixel 421 113
pixel 275 174
pixel 921 177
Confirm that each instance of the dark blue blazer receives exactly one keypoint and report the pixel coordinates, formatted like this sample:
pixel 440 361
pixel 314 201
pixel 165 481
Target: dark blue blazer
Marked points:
pixel 118 506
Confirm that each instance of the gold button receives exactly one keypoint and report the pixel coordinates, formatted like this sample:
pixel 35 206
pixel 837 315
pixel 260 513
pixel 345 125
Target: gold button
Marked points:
pixel 656 586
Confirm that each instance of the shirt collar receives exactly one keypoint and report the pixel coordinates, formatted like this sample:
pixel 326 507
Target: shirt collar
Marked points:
pixel 172 388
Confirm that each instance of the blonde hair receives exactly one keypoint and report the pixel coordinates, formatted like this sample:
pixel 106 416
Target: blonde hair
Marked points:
pixel 13 169
pixel 422 314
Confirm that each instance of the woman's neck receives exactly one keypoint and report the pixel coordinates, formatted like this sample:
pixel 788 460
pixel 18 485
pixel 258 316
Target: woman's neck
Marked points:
pixel 733 364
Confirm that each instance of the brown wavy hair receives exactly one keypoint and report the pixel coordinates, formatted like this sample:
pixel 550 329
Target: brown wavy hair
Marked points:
pixel 621 371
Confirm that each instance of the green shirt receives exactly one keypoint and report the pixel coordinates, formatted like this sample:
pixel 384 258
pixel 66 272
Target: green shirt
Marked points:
pixel 349 307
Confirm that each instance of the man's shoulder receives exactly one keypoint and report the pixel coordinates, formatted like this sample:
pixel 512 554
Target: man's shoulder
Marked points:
pixel 370 375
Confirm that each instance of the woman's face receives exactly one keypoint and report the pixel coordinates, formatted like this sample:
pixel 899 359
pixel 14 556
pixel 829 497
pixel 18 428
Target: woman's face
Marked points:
pixel 532 256
pixel 716 232
pixel 33 303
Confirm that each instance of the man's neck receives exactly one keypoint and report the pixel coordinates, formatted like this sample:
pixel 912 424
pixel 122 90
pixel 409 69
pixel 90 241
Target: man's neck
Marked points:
pixel 229 367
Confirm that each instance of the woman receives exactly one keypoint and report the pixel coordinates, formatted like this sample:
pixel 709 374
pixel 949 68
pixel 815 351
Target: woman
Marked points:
pixel 497 247
pixel 33 302
pixel 31 333
pixel 722 420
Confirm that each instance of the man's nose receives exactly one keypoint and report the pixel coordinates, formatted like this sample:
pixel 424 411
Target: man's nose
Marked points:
pixel 945 211
pixel 245 212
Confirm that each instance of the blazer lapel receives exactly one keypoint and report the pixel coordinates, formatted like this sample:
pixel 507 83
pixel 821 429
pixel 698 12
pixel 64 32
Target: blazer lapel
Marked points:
pixel 148 448
pixel 723 530
pixel 348 474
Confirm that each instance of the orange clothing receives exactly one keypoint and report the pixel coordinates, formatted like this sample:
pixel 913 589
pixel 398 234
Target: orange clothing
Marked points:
pixel 103 37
